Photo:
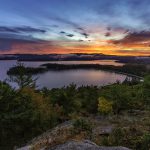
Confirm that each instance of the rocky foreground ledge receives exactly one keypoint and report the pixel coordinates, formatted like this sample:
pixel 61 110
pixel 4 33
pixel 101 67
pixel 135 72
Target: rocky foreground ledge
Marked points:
pixel 60 138
pixel 79 145
pixel 84 145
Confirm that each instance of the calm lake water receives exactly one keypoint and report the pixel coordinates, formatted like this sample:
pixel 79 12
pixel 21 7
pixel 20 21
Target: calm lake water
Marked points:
pixel 56 79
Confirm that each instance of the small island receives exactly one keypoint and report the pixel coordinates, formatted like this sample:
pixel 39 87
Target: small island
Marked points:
pixel 20 68
pixel 138 71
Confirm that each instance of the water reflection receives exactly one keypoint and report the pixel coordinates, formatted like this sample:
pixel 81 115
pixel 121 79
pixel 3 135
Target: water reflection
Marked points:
pixel 55 79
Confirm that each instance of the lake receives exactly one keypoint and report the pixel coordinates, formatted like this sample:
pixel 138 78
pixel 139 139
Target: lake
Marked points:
pixel 57 79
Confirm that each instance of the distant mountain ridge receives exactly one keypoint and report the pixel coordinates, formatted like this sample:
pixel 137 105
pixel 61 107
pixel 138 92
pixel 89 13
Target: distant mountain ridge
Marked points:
pixel 75 57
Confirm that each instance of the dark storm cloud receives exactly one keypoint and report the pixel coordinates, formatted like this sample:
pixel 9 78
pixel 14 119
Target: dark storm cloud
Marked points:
pixel 108 28
pixel 7 29
pixel 10 36
pixel 134 37
pixel 62 32
pixel 80 29
pixel 107 34
pixel 81 40
pixel 27 29
pixel 70 35
pixel 85 35
pixel 30 29
pixel 126 31
pixel 7 43
pixel 8 40
pixel 67 34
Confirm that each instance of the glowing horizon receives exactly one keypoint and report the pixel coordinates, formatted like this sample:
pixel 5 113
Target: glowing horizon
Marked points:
pixel 113 27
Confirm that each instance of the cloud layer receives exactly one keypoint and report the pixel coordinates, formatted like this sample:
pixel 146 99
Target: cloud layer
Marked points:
pixel 64 26
pixel 134 37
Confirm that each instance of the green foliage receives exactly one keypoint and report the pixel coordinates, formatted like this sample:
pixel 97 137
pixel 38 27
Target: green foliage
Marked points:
pixel 66 98
pixel 117 136
pixel 104 106
pixel 144 143
pixel 6 96
pixel 21 78
pixel 146 90
pixel 127 97
pixel 20 68
pixel 88 96
pixel 82 125
pixel 27 112
pixel 23 115
pixel 139 69
pixel 128 137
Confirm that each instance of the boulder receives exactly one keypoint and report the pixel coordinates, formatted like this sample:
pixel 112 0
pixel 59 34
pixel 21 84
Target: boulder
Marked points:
pixel 103 130
pixel 84 145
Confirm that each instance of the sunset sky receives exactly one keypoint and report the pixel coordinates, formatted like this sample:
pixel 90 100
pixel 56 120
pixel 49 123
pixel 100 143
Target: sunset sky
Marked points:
pixel 120 27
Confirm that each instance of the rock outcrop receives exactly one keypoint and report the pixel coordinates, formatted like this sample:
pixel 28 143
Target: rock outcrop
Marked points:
pixel 84 145
pixel 59 138
pixel 57 135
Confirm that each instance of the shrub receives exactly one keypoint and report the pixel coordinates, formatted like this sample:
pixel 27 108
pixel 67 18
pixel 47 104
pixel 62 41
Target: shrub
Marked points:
pixel 81 124
pixel 117 136
pixel 104 106
pixel 145 142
